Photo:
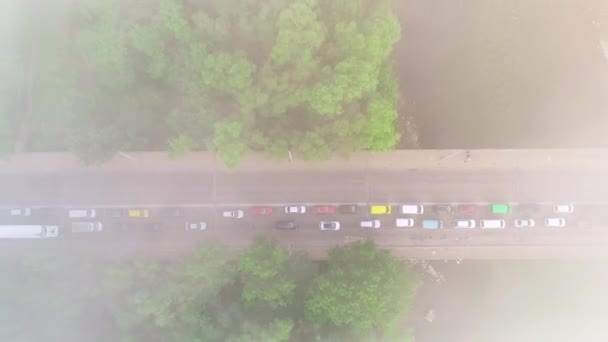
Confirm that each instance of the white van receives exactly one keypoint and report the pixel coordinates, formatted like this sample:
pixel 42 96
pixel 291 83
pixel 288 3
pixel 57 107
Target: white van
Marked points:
pixel 412 209
pixel 493 224
pixel 82 213
pixel 86 227
pixel 28 231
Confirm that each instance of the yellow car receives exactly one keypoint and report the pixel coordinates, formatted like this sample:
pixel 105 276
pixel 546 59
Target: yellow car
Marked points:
pixel 380 209
pixel 139 213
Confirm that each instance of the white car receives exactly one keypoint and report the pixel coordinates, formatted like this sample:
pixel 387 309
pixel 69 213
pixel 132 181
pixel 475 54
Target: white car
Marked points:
pixel 404 222
pixel 233 213
pixel 373 224
pixel 555 222
pixel 82 213
pixel 329 225
pixel 563 208
pixel 464 223
pixel 196 225
pixel 414 209
pixel 21 212
pixel 295 209
pixel 524 223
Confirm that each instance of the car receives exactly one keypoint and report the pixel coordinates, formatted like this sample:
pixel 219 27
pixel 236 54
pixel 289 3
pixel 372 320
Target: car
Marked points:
pixel 404 222
pixel 86 227
pixel 295 209
pixel 234 213
pixel 469 209
pixel 442 209
pixel 374 224
pixel 493 224
pixel 116 212
pixel 170 212
pixel 563 208
pixel 82 213
pixel 347 209
pixel 432 224
pixel 261 211
pixel 153 227
pixel 501 209
pixel 324 209
pixel 380 209
pixel 329 225
pixel 555 222
pixel 464 223
pixel 20 212
pixel 412 209
pixel 286 225
pixel 530 208
pixel 523 223
pixel 196 225
pixel 138 213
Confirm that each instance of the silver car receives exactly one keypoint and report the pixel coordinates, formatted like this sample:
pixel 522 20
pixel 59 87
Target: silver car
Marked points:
pixel 524 223
pixel 196 225
pixel 373 224
pixel 329 225
pixel 295 209
pixel 236 213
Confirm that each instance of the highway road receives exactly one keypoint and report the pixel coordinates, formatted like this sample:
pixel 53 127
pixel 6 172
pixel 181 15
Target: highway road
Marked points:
pixel 343 186
pixel 204 193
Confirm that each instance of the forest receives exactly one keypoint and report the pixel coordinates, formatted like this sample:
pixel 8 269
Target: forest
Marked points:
pixel 264 293
pixel 96 77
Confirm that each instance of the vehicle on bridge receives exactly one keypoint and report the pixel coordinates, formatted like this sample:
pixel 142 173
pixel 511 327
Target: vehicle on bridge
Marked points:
pixel 347 209
pixel 82 213
pixel 555 222
pixel 286 225
pixel 524 223
pixel 493 224
pixel 501 209
pixel 380 209
pixel 374 224
pixel 563 208
pixel 236 213
pixel 432 224
pixel 404 222
pixel 139 213
pixel 412 209
pixel 196 225
pixel 464 223
pixel 86 227
pixel 20 212
pixel 28 231
pixel 295 209
pixel 329 225
pixel 324 209
pixel 261 211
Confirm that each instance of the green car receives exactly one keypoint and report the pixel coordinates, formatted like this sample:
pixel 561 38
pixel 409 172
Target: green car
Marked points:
pixel 501 209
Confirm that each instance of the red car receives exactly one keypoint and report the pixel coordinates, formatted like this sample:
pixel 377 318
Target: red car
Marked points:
pixel 324 209
pixel 261 211
pixel 470 209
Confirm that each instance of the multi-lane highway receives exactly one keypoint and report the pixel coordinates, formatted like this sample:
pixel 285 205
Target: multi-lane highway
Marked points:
pixel 203 192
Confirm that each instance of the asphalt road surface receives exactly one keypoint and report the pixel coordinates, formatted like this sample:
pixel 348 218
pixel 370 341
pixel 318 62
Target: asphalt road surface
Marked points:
pixel 203 195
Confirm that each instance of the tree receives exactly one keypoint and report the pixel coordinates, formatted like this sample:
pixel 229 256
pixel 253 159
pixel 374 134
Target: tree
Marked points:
pixel 228 143
pixel 363 287
pixel 262 269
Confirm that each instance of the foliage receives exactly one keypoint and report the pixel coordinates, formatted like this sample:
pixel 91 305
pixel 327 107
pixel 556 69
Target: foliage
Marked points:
pixel 204 296
pixel 186 75
pixel 364 288
pixel 263 273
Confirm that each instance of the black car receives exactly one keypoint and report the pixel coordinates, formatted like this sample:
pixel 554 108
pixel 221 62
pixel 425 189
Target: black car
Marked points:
pixel 286 225
pixel 347 208
pixel 442 209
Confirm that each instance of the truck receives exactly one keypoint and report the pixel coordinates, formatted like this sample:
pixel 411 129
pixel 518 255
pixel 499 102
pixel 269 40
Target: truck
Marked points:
pixel 28 231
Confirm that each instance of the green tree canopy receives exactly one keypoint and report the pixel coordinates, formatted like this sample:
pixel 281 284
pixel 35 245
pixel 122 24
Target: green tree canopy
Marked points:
pixel 363 288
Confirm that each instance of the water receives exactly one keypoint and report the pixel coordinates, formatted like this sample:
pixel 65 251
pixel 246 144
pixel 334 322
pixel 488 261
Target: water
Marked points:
pixel 504 74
